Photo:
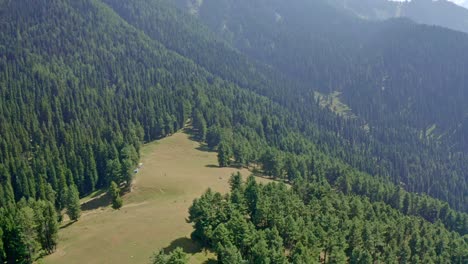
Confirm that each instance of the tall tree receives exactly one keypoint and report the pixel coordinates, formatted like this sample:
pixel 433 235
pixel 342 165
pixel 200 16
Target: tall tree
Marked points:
pixel 73 203
pixel 224 154
pixel 2 250
pixel 47 226
pixel 114 191
pixel 177 256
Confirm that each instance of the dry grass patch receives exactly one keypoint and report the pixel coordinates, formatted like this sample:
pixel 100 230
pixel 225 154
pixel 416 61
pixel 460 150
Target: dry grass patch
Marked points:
pixel 154 214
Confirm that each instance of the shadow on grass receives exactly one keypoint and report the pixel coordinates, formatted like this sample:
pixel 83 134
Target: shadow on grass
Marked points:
pixel 67 225
pixel 188 245
pixel 192 133
pixel 203 147
pixel 234 166
pixel 102 200
pixel 194 137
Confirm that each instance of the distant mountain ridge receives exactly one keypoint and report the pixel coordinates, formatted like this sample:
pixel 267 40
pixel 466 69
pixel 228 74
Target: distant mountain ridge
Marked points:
pixel 440 13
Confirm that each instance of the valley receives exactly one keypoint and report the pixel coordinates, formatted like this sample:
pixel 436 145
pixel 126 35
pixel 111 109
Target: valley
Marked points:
pixel 362 113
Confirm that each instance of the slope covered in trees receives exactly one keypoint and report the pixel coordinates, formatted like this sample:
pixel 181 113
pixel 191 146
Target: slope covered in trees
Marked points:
pixel 404 83
pixel 150 15
pixel 81 89
pixel 83 83
pixel 311 223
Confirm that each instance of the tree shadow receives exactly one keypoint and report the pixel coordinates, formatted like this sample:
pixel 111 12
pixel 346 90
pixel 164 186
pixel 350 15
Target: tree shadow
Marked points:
pixel 102 200
pixel 194 137
pixel 203 147
pixel 234 166
pixel 192 133
pixel 67 224
pixel 188 245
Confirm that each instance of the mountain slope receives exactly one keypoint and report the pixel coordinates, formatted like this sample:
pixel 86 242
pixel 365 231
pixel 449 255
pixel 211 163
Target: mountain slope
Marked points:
pixel 83 83
pixel 441 13
pixel 80 90
pixel 391 92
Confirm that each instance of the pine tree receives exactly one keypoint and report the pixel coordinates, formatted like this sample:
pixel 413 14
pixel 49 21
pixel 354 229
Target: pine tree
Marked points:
pixel 127 173
pixel 2 251
pixel 260 252
pixel 27 230
pixel 47 226
pixel 224 154
pixel 236 182
pixel 178 256
pixel 229 254
pixel 113 171
pixel 73 203
pixel 405 253
pixel 114 191
pixel 301 255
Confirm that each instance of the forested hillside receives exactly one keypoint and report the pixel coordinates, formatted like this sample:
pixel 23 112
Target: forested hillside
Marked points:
pixel 404 83
pixel 270 223
pixel 83 83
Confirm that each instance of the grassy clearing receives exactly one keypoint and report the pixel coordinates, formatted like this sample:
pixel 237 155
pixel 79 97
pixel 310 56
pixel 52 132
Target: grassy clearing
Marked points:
pixel 333 103
pixel 175 171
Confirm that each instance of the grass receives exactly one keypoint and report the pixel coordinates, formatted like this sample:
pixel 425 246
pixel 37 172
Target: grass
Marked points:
pixel 333 103
pixel 175 171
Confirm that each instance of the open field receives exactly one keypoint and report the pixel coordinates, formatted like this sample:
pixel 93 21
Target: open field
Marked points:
pixel 175 171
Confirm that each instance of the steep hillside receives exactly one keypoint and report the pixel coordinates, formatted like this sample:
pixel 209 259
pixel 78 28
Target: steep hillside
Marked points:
pixel 390 74
pixel 83 83
pixel 80 90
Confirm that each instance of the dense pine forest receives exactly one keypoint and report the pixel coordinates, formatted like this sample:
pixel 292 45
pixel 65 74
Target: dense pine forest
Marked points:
pixel 272 223
pixel 407 98
pixel 84 83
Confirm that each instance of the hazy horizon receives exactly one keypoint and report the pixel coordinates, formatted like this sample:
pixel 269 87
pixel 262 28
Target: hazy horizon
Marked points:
pixel 463 3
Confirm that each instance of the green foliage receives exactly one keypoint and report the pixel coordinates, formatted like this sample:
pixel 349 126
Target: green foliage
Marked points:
pixel 393 114
pixel 322 227
pixel 75 111
pixel 213 137
pixel 199 123
pixel 114 192
pixel 177 256
pixel 24 218
pixel 27 228
pixel 47 226
pixel 228 254
pixel 73 205
pixel 224 154
pixel 2 250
